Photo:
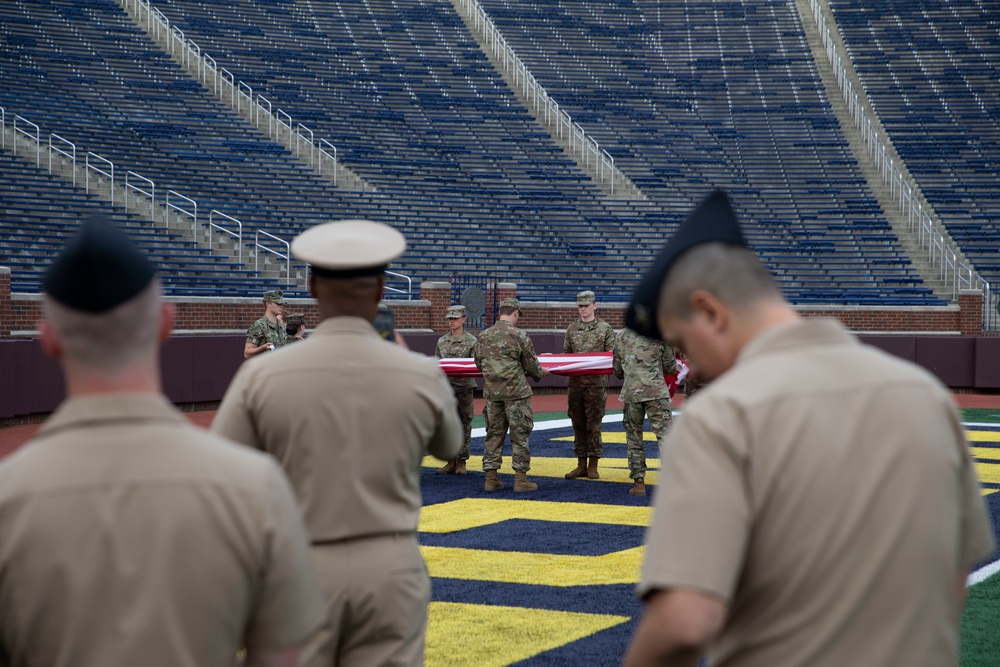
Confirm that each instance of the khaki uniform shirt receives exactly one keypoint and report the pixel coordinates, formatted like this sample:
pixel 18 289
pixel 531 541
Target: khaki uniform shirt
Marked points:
pixel 642 363
pixel 349 416
pixel 826 491
pixel 130 537
pixel 265 331
pixel 594 336
pixel 504 354
pixel 457 347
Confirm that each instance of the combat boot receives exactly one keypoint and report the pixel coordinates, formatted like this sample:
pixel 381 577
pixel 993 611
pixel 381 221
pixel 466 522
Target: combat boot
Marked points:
pixel 521 482
pixel 580 470
pixel 492 482
pixel 639 488
pixel 592 468
pixel 460 467
pixel 447 469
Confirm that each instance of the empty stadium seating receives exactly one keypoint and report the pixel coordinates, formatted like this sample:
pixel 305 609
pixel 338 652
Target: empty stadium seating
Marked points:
pixel 415 107
pixel 931 72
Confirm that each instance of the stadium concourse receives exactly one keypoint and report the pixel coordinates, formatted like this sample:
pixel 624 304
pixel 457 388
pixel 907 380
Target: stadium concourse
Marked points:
pixel 548 580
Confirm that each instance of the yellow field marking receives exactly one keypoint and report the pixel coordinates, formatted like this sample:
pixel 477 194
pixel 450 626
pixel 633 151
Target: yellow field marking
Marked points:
pixel 503 635
pixel 985 452
pixel 612 470
pixel 988 472
pixel 983 436
pixel 475 512
pixel 613 438
pixel 538 569
pixel 987 492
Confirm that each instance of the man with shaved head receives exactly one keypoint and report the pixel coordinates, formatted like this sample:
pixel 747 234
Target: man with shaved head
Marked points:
pixel 818 504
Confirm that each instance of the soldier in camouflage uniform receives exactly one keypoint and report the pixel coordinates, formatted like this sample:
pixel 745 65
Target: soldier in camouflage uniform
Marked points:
pixel 458 344
pixel 295 327
pixel 588 394
pixel 643 363
pixel 504 354
pixel 267 333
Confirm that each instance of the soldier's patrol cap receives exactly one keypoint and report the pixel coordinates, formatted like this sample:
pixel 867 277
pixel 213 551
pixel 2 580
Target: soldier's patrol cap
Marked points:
pixel 712 221
pixel 349 248
pixel 585 298
pixel 295 319
pixel 455 312
pixel 275 296
pixel 98 269
pixel 511 302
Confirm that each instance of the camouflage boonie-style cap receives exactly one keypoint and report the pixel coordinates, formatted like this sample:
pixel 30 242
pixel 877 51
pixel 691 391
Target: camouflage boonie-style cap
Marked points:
pixel 275 296
pixel 585 298
pixel 455 312
pixel 511 302
pixel 295 319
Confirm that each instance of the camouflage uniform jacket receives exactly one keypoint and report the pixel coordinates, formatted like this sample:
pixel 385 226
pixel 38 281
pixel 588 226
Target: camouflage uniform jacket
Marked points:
pixel 505 354
pixel 594 336
pixel 450 347
pixel 642 363
pixel 263 331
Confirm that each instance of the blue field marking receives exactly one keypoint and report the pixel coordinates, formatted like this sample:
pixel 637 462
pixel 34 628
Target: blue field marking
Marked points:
pixel 588 539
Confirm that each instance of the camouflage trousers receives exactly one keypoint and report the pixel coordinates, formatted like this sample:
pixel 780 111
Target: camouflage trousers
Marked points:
pixel 660 419
pixel 466 410
pixel 518 417
pixel 586 410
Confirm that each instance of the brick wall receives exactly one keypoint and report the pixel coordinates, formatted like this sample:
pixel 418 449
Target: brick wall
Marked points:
pixel 19 313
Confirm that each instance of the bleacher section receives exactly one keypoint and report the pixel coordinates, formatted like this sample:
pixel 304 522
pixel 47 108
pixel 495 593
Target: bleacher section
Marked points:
pixel 84 70
pixel 726 93
pixel 932 73
pixel 41 211
pixel 414 106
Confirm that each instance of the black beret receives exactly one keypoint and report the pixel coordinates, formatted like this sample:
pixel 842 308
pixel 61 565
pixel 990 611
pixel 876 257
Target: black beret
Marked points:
pixel 98 269
pixel 712 221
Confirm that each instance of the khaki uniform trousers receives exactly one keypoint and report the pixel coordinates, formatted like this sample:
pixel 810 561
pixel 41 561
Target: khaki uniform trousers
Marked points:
pixel 377 591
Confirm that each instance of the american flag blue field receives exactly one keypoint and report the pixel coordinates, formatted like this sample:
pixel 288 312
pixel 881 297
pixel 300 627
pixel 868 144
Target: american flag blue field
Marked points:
pixel 547 578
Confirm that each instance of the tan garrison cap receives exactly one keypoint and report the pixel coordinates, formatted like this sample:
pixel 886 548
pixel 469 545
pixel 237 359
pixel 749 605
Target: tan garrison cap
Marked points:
pixel 275 296
pixel 349 248
pixel 511 302
pixel 455 312
pixel 585 298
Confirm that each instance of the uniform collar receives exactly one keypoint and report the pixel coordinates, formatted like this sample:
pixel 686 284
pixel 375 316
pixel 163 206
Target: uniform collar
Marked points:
pixel 94 409
pixel 813 332
pixel 340 325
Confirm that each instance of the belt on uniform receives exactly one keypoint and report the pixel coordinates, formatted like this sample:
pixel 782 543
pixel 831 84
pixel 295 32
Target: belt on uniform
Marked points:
pixel 359 538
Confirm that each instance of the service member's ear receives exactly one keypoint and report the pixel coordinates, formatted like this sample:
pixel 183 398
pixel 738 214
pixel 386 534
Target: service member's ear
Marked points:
pixel 707 306
pixel 312 286
pixel 49 340
pixel 168 316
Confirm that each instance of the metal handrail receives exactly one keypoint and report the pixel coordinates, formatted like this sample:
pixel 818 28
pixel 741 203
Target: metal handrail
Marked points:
pixel 215 77
pixel 3 128
pixel 70 155
pixel 151 193
pixel 333 158
pixel 956 274
pixel 194 216
pixel 88 167
pixel 287 256
pixel 213 225
pixel 37 136
pixel 396 290
pixel 539 101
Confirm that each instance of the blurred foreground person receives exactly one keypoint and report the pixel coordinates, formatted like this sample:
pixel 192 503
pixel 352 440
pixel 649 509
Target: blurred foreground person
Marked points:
pixel 127 535
pixel 350 419
pixel 818 503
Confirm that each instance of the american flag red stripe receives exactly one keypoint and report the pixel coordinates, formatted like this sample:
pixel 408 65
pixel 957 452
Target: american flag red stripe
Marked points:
pixel 587 363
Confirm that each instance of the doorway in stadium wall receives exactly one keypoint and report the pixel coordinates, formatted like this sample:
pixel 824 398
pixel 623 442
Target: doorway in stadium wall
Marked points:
pixel 479 296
